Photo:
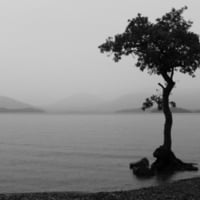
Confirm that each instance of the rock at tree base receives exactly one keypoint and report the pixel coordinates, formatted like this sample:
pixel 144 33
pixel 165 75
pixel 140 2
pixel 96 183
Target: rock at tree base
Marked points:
pixel 165 162
pixel 141 168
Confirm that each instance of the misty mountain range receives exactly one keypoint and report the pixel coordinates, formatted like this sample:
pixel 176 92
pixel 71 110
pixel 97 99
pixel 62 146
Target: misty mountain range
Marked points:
pixel 84 103
pixel 10 105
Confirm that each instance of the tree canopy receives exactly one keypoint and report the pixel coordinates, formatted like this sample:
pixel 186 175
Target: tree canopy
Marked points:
pixel 162 47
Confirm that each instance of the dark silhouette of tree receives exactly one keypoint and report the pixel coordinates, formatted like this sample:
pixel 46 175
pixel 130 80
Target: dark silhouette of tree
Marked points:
pixel 156 99
pixel 164 48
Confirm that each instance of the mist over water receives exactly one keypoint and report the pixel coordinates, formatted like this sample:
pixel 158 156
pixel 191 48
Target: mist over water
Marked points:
pixel 86 152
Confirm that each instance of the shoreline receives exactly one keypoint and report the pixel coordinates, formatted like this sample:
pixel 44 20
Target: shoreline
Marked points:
pixel 185 189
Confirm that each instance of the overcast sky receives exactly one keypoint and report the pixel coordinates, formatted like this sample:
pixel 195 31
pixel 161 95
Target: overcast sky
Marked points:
pixel 48 48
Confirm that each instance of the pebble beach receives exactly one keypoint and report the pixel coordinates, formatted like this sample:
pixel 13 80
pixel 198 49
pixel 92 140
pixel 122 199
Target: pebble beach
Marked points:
pixel 188 189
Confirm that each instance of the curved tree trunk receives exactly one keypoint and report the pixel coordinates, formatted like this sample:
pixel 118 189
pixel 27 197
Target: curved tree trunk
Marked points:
pixel 168 116
pixel 166 161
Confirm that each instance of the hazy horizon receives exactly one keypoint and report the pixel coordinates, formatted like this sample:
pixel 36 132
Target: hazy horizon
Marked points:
pixel 49 49
pixel 89 102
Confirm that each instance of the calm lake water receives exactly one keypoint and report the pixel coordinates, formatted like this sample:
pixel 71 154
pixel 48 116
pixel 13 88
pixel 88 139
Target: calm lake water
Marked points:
pixel 87 152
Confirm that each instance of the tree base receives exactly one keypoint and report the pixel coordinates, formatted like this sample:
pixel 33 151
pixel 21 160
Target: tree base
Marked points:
pixel 166 162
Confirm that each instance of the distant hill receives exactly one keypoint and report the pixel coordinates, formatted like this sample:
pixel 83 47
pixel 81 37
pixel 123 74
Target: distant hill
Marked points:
pixel 196 111
pixel 154 110
pixel 91 104
pixel 130 111
pixel 10 105
pixel 125 103
pixel 174 110
pixel 85 103
pixel 21 110
pixel 76 104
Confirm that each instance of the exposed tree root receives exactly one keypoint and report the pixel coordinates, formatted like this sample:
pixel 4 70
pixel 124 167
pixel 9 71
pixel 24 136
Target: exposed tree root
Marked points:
pixel 165 162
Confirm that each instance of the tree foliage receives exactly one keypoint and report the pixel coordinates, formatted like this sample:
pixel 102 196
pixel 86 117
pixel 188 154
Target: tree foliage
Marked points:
pixel 156 99
pixel 162 47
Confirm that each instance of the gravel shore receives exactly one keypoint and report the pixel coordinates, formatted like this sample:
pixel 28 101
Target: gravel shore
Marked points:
pixel 180 190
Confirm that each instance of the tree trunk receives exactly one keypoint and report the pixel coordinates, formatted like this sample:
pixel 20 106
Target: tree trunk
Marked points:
pixel 168 116
pixel 166 161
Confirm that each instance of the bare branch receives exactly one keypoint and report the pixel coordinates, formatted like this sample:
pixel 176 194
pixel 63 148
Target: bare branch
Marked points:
pixel 172 73
pixel 161 85
pixel 167 78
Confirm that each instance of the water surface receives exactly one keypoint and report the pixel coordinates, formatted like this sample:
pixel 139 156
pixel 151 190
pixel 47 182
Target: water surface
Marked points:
pixel 41 152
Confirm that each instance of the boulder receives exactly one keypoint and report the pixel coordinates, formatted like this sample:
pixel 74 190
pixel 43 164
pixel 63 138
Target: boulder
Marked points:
pixel 141 168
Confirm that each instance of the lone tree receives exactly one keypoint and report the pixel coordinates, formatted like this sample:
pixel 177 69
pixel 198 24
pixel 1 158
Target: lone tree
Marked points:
pixel 162 48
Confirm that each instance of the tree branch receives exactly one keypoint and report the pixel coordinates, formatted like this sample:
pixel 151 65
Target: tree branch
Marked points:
pixel 172 73
pixel 161 85
pixel 167 78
